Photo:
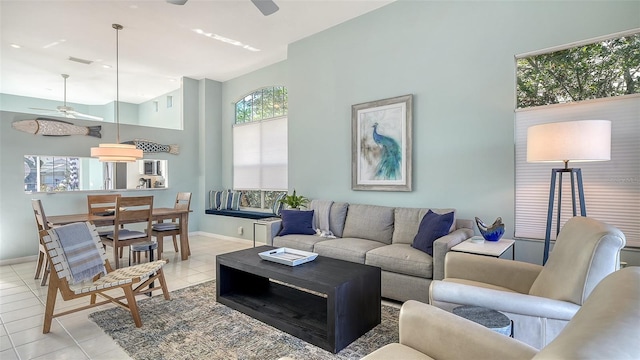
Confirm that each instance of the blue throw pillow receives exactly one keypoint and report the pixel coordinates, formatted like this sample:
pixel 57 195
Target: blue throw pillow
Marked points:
pixel 297 222
pixel 432 227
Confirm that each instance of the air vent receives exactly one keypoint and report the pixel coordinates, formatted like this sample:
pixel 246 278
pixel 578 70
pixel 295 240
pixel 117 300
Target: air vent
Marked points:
pixel 82 61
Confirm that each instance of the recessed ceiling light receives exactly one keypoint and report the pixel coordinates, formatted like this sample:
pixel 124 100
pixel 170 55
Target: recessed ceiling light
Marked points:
pixel 54 43
pixel 225 40
pixel 16 46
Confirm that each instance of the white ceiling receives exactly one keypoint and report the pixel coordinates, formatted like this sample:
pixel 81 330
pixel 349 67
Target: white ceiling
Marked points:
pixel 158 44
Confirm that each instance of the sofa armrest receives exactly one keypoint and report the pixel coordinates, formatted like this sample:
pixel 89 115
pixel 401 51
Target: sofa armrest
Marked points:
pixel 443 335
pixel 444 292
pixel 273 228
pixel 442 245
pixel 515 275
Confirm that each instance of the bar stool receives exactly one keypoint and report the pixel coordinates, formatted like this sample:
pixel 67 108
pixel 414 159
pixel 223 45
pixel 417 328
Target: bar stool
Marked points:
pixel 138 248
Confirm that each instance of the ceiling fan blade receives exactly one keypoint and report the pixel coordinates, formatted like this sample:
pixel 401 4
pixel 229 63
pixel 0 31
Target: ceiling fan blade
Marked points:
pixel 87 116
pixel 266 7
pixel 41 109
pixel 177 2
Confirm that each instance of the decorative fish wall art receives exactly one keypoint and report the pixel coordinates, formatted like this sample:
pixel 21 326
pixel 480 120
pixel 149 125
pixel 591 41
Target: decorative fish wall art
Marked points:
pixel 149 146
pixel 52 127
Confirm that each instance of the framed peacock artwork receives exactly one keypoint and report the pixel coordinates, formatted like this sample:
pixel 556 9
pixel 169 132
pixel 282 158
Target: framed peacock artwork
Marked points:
pixel 381 144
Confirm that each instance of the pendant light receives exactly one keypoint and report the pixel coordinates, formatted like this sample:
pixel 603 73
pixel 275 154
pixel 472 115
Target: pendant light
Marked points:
pixel 117 152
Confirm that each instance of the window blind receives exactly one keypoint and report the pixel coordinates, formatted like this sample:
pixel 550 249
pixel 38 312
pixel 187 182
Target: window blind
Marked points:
pixel 611 188
pixel 260 155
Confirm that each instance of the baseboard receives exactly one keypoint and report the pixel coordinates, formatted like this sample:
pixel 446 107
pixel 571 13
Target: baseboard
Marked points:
pixel 21 260
pixel 218 236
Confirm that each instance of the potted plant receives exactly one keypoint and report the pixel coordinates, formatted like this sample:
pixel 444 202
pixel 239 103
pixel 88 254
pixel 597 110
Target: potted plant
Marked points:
pixel 294 201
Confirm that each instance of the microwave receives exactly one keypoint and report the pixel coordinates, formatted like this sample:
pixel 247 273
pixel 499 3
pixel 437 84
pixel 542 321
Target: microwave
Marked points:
pixel 152 167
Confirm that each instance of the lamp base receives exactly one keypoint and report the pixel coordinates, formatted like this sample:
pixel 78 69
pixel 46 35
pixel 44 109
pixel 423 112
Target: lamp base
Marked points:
pixel 576 176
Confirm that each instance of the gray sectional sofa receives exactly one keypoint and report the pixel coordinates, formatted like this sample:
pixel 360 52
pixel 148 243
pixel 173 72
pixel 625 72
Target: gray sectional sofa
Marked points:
pixel 382 236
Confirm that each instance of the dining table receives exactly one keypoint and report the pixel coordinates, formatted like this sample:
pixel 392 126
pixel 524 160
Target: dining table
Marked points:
pixel 158 215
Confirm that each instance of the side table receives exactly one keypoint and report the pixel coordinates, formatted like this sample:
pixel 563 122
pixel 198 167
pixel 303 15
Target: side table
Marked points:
pixel 487 248
pixel 489 318
pixel 264 230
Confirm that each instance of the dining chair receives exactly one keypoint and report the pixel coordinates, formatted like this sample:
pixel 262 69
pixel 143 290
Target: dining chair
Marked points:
pixel 162 229
pixel 99 205
pixel 129 211
pixel 41 224
pixel 80 268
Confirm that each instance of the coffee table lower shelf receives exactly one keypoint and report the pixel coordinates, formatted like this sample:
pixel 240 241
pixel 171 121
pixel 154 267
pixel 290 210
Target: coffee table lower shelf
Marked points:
pixel 296 312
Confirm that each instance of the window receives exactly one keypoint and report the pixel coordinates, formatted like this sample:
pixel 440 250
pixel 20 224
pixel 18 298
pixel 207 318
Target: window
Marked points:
pixel 596 80
pixel 260 157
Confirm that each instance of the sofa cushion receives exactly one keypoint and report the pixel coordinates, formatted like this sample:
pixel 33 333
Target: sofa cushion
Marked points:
pixel 369 222
pixel 348 249
pixel 432 227
pixel 297 222
pixel 337 218
pixel 297 241
pixel 407 221
pixel 402 259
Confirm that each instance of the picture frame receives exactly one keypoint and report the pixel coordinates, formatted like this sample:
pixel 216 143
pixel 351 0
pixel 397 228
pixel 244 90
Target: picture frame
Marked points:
pixel 381 144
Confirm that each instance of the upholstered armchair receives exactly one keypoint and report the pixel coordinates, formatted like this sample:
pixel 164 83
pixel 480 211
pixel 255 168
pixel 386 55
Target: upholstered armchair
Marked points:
pixel 539 299
pixel 605 327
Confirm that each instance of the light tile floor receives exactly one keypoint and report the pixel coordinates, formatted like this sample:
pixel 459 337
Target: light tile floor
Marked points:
pixel 74 336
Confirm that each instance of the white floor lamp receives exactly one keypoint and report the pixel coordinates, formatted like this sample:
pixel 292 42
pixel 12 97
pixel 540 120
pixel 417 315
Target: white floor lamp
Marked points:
pixel 584 140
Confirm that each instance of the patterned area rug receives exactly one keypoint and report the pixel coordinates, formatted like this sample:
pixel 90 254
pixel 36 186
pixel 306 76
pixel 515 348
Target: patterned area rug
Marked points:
pixel 192 325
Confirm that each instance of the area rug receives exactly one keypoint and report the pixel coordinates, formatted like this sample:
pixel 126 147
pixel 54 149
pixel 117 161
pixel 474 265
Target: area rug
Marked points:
pixel 192 325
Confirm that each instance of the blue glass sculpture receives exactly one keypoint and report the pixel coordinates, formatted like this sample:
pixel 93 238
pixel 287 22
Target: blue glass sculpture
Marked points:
pixel 493 232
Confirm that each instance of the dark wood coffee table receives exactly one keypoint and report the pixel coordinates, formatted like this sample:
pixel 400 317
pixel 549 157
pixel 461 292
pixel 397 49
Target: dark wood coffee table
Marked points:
pixel 333 303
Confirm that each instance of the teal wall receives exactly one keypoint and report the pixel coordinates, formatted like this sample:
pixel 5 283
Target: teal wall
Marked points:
pixel 456 58
pixel 219 146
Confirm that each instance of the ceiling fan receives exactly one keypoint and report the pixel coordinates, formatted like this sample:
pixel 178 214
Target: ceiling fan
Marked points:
pixel 266 7
pixel 67 111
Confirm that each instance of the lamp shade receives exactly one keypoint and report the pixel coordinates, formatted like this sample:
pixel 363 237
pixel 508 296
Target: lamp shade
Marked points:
pixel 583 140
pixel 116 153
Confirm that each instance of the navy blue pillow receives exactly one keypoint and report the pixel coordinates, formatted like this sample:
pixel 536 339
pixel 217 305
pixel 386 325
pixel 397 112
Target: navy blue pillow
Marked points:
pixel 432 227
pixel 297 222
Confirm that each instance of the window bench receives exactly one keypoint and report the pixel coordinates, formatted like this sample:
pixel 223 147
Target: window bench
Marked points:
pixel 255 215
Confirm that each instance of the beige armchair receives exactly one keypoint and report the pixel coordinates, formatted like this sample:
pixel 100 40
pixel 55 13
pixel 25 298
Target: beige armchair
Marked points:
pixel 539 299
pixel 605 327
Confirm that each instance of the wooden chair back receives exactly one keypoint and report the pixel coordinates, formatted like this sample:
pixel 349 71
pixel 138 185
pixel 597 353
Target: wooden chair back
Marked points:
pixel 101 203
pixel 133 210
pixel 42 265
pixel 38 212
pixel 183 201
